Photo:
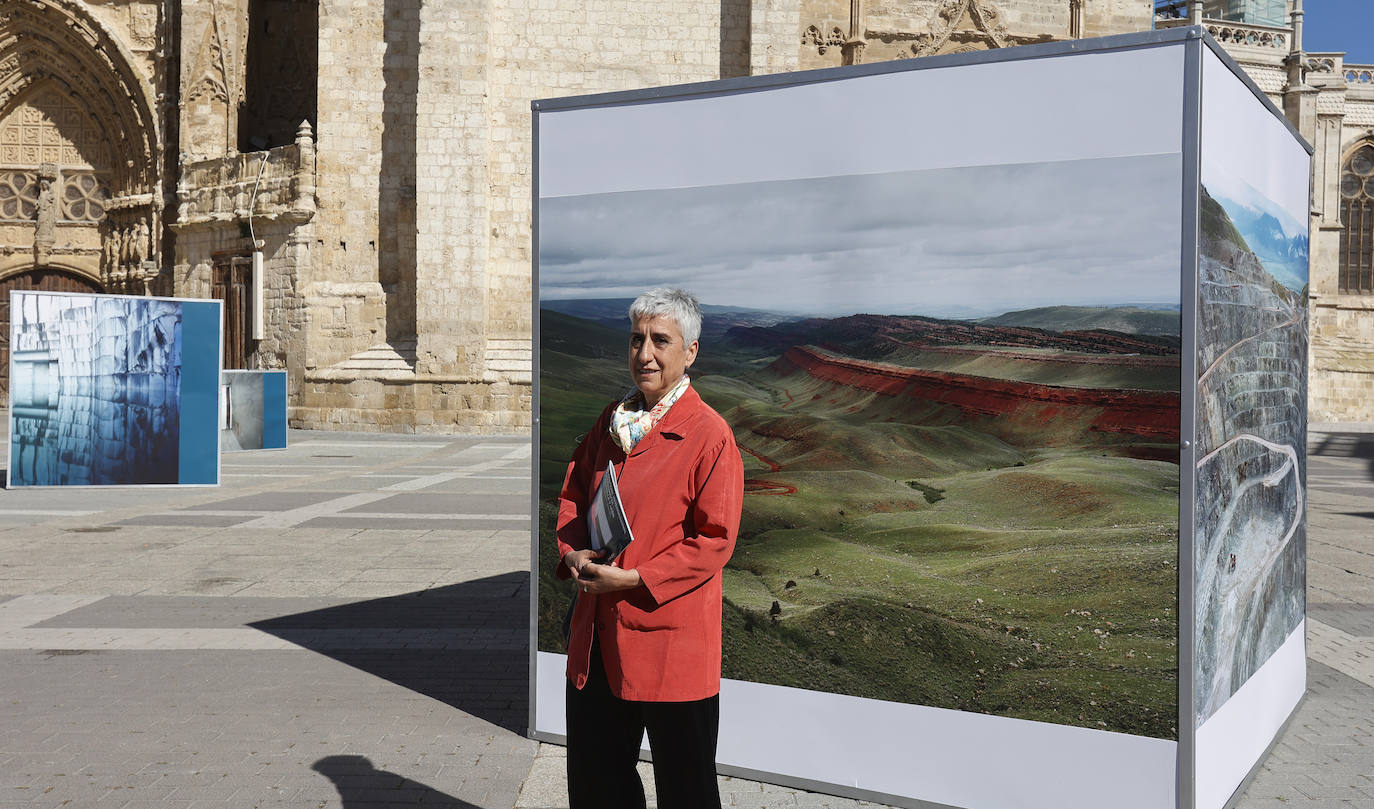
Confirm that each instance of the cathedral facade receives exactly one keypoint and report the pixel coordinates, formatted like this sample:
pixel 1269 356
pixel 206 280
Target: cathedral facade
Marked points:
pixel 352 177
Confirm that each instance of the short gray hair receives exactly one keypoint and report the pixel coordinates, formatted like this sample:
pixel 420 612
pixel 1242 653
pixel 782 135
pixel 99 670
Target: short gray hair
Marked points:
pixel 678 304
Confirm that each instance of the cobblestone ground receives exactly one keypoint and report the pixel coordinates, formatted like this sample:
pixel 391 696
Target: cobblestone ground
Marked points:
pixel 343 625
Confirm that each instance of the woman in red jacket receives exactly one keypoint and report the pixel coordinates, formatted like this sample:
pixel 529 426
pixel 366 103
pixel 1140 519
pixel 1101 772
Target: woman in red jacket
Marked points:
pixel 644 646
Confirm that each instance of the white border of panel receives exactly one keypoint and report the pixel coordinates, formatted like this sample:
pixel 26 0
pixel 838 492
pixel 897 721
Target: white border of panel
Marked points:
pixel 872 748
pixel 1234 739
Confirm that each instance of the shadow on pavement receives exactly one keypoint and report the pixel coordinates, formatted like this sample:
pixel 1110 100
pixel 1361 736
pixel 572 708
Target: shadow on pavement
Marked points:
pixel 362 785
pixel 1345 445
pixel 485 624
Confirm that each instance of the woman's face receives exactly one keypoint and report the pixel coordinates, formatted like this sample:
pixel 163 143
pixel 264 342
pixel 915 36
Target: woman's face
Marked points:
pixel 658 357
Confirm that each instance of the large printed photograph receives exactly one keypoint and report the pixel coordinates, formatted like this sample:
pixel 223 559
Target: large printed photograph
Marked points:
pixel 1251 431
pixel 958 407
pixel 252 410
pixel 99 394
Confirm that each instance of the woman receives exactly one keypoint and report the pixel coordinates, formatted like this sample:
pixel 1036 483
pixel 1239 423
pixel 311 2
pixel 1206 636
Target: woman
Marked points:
pixel 644 644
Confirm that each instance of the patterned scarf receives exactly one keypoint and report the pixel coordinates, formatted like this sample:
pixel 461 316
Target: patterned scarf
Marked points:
pixel 631 422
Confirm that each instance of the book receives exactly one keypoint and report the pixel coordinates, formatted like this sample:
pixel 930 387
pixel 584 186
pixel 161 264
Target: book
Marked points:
pixel 608 528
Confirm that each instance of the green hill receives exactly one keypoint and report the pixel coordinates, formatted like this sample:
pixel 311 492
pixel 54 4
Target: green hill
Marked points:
pixel 1128 319
pixel 580 337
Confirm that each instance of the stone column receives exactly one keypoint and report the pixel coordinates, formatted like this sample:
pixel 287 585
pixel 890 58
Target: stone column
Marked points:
pixel 303 200
pixel 854 45
pixel 1299 99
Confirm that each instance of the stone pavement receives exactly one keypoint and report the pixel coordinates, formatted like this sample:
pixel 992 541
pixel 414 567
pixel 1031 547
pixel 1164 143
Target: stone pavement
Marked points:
pixel 1326 757
pixel 342 624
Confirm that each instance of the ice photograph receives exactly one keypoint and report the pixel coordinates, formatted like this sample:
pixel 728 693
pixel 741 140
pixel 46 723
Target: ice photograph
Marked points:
pixel 95 390
pixel 956 393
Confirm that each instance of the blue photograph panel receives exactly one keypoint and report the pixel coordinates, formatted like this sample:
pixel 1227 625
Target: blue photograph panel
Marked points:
pixel 274 410
pixel 98 393
pixel 254 410
pixel 198 462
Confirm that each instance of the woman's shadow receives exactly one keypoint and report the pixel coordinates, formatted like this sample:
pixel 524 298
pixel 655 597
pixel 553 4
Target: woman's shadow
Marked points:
pixel 362 785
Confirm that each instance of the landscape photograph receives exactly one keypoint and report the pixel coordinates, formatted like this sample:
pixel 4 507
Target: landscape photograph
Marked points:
pixel 1250 544
pixel 958 409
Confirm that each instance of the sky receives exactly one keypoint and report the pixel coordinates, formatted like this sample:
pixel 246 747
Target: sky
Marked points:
pixel 958 242
pixel 1340 25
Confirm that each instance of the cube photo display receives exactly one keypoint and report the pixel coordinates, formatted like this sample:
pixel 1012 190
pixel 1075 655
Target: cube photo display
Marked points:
pixel 1014 346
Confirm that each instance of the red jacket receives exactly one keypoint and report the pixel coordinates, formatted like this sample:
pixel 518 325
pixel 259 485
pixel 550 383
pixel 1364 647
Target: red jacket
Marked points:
pixel 682 488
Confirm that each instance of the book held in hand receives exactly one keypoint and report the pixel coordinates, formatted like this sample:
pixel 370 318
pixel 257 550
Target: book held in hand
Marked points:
pixel 607 527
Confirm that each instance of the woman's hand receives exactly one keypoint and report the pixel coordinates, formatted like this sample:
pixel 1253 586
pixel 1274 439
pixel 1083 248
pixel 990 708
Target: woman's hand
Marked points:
pixel 593 578
pixel 576 560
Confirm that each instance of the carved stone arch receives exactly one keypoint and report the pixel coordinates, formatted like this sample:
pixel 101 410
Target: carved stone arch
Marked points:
pixel 1349 148
pixel 78 272
pixel 58 41
pixel 80 138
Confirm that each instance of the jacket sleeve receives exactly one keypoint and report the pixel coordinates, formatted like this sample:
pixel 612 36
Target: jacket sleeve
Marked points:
pixel 575 496
pixel 686 564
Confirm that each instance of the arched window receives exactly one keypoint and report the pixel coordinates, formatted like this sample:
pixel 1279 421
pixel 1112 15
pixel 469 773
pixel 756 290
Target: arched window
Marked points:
pixel 1357 212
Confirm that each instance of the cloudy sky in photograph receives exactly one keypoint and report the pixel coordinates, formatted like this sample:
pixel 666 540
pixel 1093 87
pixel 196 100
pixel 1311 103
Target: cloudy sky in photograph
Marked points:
pixel 947 242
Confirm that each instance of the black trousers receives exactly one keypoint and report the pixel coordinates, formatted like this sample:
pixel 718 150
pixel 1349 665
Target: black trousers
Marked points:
pixel 604 732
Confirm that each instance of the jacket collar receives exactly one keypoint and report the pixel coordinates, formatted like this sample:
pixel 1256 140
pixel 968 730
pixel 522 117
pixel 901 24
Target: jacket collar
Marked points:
pixel 677 422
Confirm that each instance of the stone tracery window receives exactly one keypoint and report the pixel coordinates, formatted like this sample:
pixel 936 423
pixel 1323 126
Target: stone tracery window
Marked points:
pixel 83 197
pixel 1356 275
pixel 18 195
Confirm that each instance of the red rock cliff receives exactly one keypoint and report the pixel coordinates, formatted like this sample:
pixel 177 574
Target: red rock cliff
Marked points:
pixel 1151 416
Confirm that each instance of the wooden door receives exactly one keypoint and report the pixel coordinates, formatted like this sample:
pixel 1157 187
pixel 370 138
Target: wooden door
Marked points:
pixel 231 284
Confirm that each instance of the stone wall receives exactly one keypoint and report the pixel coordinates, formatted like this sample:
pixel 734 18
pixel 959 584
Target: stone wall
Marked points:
pixel 456 301
pixel 352 55
pixel 903 29
pixel 1342 382
pixel 213 39
pixel 1106 17
pixel 1333 115
pixel 398 266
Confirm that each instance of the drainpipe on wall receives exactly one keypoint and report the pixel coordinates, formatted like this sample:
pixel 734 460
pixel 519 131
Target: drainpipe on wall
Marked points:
pixel 256 294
